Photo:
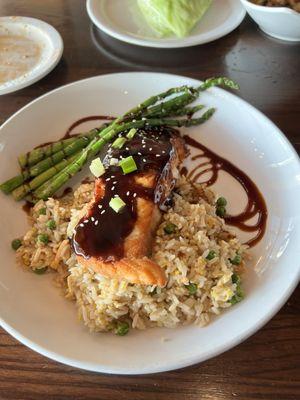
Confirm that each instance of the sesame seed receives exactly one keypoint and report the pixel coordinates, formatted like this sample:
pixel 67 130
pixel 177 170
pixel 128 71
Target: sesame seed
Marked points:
pixel 144 146
pixel 81 225
pixel 113 188
pixel 103 211
pixel 107 179
pixel 127 148
pixel 128 193
pixel 144 159
pixel 85 221
pixel 113 176
pixel 139 153
pixel 163 152
pixel 96 222
pixel 100 206
pixel 134 194
pixel 93 219
pixel 144 119
pixel 150 148
pixel 115 182
pixel 157 155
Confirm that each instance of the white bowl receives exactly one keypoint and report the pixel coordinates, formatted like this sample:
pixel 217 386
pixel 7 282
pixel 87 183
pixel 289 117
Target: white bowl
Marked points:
pixel 35 313
pixel 280 22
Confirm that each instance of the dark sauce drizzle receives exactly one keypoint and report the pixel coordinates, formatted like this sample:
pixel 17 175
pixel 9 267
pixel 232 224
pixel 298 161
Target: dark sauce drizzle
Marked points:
pixel 211 163
pixel 80 121
pixel 103 232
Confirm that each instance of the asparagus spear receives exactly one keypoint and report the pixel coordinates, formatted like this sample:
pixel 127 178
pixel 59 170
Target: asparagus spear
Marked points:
pixel 36 155
pixel 25 188
pixel 55 158
pixel 9 185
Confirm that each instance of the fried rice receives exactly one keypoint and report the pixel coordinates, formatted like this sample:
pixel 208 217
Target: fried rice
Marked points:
pixel 197 257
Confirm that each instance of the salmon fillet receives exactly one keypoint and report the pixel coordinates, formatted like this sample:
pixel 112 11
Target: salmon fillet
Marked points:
pixel 135 267
pixel 135 264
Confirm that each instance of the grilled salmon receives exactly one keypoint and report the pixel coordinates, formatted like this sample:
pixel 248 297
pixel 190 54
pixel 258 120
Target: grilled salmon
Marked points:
pixel 118 245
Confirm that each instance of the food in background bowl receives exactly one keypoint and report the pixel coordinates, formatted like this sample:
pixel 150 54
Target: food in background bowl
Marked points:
pixel 294 4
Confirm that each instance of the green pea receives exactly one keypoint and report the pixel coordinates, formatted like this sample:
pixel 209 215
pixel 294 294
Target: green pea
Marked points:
pixel 40 271
pixel 43 238
pixel 192 288
pixel 170 228
pixel 235 278
pixel 122 328
pixel 16 243
pixel 51 224
pixel 221 211
pixel 42 211
pixel 221 202
pixel 238 296
pixel 212 254
pixel 236 260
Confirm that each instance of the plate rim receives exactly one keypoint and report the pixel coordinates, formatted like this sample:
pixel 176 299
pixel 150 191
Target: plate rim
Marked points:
pixel 180 43
pixel 52 34
pixel 102 368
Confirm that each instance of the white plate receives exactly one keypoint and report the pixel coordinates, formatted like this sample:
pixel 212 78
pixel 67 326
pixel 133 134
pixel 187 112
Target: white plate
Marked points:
pixel 41 33
pixel 123 20
pixel 34 312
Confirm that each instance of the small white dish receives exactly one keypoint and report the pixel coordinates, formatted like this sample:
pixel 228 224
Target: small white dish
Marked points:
pixel 123 20
pixel 280 22
pixel 44 37
pixel 34 311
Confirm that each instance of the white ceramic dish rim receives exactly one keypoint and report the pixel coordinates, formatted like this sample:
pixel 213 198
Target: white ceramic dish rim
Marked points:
pixel 278 10
pixel 53 36
pixel 98 367
pixel 175 43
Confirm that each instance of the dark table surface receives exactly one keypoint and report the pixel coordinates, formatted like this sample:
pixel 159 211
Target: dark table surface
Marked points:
pixel 267 365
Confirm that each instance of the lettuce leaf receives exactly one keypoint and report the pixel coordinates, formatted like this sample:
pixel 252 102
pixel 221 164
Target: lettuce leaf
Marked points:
pixel 169 17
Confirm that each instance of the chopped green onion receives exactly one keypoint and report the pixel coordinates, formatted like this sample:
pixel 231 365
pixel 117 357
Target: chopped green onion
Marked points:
pixel 221 202
pixel 16 243
pixel 51 224
pixel 221 211
pixel 170 228
pixel 211 255
pixel 43 238
pixel 118 143
pixel 192 288
pixel 117 204
pixel 40 271
pixel 42 211
pixel 131 133
pixel 236 260
pixel 122 328
pixel 97 168
pixel 128 165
